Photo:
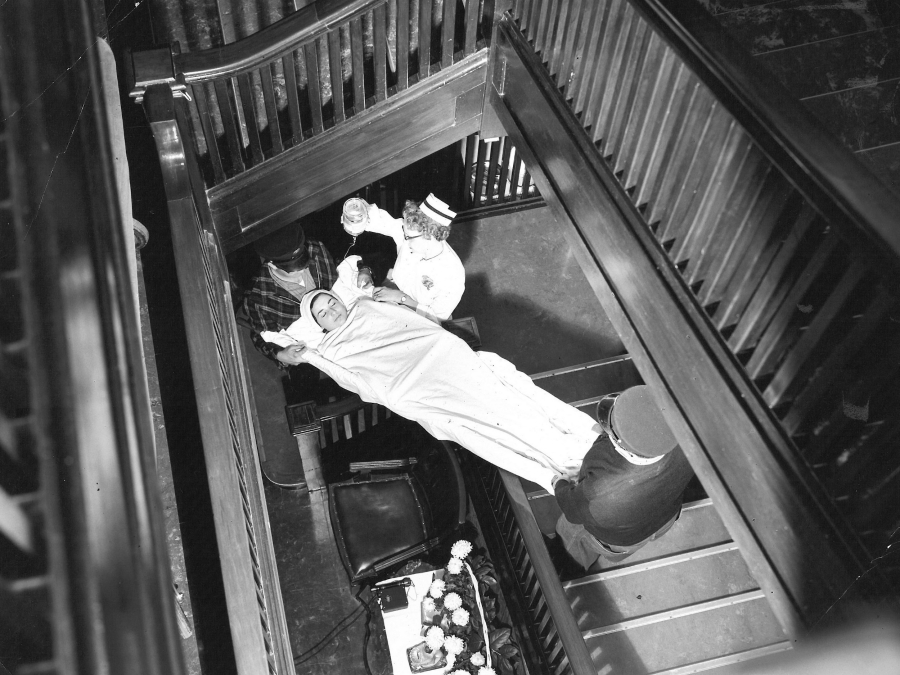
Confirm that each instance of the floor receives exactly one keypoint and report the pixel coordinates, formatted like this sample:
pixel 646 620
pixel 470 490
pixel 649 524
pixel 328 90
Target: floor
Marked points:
pixel 326 623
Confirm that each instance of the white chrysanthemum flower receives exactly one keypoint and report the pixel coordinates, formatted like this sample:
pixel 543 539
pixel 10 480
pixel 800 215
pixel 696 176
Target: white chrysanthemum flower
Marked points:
pixel 436 589
pixel 460 617
pixel 452 601
pixel 454 645
pixel 461 549
pixel 459 672
pixel 487 671
pixel 428 604
pixel 455 566
pixel 477 659
pixel 434 637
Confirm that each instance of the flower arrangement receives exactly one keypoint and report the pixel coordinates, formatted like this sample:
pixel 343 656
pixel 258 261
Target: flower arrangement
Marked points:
pixel 458 614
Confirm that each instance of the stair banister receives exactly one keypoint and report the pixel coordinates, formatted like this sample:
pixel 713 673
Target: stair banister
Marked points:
pixel 272 42
pixel 791 136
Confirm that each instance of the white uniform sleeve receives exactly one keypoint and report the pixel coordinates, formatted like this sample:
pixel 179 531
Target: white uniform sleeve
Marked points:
pixel 382 222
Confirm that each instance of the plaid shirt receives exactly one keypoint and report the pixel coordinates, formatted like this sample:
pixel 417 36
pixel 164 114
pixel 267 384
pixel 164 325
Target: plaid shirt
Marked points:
pixel 270 307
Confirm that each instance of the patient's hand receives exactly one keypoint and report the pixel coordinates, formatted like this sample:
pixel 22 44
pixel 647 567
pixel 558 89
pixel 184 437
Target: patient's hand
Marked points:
pixel 383 294
pixel 292 355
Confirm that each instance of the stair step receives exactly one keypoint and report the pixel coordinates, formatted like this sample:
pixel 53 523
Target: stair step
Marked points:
pixel 698 527
pixel 585 382
pixel 774 26
pixel 728 660
pixel 857 117
pixel 680 639
pixel 834 65
pixel 659 589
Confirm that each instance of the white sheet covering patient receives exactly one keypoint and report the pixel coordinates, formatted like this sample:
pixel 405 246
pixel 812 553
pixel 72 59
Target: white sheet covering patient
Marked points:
pixel 397 358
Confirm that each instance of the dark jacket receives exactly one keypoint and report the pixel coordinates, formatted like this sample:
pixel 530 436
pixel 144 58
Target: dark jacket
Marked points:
pixel 621 503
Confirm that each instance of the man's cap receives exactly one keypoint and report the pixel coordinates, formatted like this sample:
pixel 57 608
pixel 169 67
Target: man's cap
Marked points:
pixel 437 210
pixel 282 245
pixel 638 423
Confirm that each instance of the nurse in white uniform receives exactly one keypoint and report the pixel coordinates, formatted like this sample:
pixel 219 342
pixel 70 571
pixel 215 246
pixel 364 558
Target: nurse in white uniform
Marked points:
pixel 428 276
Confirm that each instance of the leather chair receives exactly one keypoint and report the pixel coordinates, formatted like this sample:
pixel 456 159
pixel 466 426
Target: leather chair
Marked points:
pixel 383 519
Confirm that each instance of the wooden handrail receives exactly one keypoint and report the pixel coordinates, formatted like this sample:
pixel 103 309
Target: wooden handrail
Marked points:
pixel 272 42
pixel 826 173
pixel 569 633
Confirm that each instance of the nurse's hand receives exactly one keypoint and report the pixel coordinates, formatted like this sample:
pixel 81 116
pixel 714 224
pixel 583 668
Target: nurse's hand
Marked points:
pixel 292 355
pixel 383 294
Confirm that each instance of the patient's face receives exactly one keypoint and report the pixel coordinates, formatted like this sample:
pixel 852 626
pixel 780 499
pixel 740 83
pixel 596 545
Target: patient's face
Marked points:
pixel 329 312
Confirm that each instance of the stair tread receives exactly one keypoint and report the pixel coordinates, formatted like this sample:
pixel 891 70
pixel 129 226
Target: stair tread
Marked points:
pixel 673 643
pixel 838 64
pixel 608 601
pixel 595 379
pixel 774 26
pixel 699 526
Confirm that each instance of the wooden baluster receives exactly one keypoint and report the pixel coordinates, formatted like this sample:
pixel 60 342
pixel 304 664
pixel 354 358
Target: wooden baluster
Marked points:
pixel 837 361
pixel 549 36
pixel 556 47
pixel 479 173
pixel 504 169
pixel 403 44
pixel 653 82
pixel 572 40
pixel 200 96
pixel 696 175
pixel 527 184
pixel 680 150
pixel 724 157
pixel 781 330
pixel 337 75
pixel 660 140
pixel 778 280
pixel 380 55
pixel 615 33
pixel 763 189
pixel 225 102
pixel 578 86
pixel 539 30
pixel 290 88
pixel 753 247
pixel 472 17
pixel 471 147
pixel 358 72
pixel 523 14
pixel 514 192
pixel 490 193
pixel 268 87
pixel 248 105
pixel 311 51
pixel 424 39
pixel 626 91
pixel 448 33
pixel 796 365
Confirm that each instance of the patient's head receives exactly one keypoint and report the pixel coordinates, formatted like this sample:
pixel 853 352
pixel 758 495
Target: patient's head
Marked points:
pixel 328 311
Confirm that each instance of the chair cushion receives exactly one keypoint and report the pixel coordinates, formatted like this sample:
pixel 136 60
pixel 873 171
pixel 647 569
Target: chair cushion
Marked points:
pixel 374 520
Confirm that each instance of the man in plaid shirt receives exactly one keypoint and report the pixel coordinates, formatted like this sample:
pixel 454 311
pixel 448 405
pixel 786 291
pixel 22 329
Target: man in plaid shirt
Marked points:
pixel 293 266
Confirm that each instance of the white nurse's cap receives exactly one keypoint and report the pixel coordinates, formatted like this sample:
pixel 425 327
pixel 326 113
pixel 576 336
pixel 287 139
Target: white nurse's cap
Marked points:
pixel 437 210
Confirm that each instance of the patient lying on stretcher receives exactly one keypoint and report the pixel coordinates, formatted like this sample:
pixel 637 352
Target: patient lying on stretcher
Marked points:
pixel 394 357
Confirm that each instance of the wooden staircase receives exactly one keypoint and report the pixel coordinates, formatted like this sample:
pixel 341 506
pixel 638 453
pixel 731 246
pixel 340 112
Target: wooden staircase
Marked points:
pixel 686 602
